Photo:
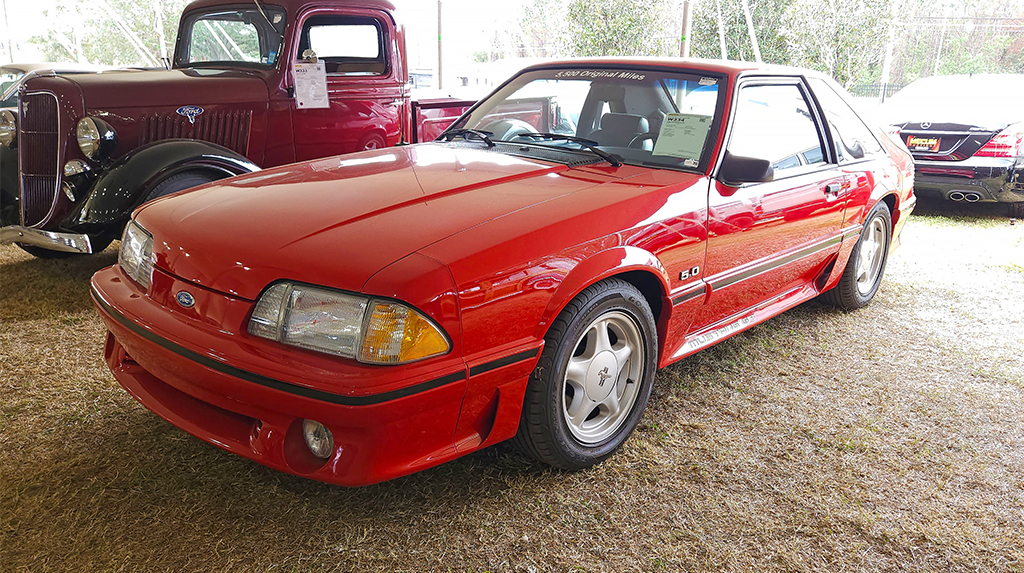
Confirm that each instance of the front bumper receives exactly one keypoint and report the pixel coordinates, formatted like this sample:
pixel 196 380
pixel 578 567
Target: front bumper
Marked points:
pixel 194 368
pixel 66 242
pixel 985 179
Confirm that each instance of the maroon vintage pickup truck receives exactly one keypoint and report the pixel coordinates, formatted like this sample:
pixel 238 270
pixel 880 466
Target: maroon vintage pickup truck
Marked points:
pixel 89 148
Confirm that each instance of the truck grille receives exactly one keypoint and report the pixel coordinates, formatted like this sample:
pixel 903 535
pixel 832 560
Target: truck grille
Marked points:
pixel 227 128
pixel 38 156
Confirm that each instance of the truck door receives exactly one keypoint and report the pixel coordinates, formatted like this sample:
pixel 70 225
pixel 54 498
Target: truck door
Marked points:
pixel 364 83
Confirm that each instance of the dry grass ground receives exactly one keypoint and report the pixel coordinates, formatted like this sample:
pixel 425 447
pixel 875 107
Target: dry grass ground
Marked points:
pixel 886 439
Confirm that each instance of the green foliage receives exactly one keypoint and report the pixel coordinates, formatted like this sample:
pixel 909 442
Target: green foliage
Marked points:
pixel 766 14
pixel 112 32
pixel 619 28
pixel 843 39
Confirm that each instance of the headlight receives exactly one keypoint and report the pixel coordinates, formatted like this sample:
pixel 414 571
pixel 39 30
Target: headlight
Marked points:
pixel 136 255
pixel 8 128
pixel 96 138
pixel 370 330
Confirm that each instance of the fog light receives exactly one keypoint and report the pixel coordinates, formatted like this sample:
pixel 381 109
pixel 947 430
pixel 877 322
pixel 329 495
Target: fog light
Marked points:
pixel 318 438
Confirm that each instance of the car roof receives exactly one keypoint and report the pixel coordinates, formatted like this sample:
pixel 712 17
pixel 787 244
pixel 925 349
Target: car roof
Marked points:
pixel 726 67
pixel 293 6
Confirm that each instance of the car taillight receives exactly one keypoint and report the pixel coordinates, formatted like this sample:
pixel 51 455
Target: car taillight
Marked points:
pixel 1006 144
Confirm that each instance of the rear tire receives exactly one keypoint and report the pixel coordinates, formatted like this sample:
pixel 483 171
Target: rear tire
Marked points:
pixel 1015 210
pixel 864 270
pixel 371 141
pixel 593 379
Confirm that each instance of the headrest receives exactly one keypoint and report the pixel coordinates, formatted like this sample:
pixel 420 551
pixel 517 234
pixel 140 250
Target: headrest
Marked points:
pixel 624 123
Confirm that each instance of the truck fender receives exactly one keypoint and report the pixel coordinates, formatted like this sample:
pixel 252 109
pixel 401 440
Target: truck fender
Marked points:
pixel 127 182
pixel 608 263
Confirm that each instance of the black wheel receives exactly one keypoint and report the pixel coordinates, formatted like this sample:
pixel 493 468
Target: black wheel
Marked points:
pixel 1015 210
pixel 371 141
pixel 593 379
pixel 182 181
pixel 864 270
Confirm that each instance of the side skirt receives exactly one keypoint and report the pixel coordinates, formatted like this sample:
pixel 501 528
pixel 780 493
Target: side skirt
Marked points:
pixel 743 320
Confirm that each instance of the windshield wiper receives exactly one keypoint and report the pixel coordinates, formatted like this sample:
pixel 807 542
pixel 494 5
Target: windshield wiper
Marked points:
pixel 586 143
pixel 483 136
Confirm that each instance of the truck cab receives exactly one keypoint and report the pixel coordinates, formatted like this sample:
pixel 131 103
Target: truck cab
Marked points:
pixel 89 148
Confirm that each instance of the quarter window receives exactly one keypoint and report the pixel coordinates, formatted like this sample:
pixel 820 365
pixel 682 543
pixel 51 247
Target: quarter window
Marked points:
pixel 774 122
pixel 349 46
pixel 853 139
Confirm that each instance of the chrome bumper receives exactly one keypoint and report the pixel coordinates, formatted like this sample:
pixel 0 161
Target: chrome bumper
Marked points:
pixel 67 242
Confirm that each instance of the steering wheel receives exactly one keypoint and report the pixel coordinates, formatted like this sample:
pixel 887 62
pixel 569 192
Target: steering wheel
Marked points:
pixel 506 129
pixel 638 141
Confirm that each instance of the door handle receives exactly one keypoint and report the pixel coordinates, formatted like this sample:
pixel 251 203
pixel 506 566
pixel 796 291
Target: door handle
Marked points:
pixel 832 191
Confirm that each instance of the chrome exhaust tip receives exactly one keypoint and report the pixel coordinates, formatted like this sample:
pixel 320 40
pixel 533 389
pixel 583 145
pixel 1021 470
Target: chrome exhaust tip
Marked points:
pixel 972 197
pixel 956 196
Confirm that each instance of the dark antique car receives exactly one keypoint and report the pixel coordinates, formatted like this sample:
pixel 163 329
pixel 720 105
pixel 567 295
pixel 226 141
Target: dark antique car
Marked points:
pixel 966 134
pixel 357 318
pixel 85 150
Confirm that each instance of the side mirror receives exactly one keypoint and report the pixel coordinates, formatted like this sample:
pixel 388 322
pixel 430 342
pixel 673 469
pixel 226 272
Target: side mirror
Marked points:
pixel 737 170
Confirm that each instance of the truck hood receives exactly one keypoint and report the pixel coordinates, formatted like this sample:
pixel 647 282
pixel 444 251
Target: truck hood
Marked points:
pixel 128 88
pixel 337 221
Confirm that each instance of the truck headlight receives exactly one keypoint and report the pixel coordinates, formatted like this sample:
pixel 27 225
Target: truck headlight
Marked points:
pixel 96 138
pixel 136 255
pixel 8 128
pixel 370 330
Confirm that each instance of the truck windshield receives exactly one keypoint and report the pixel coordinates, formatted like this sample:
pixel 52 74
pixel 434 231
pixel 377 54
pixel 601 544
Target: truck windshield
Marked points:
pixel 643 116
pixel 250 36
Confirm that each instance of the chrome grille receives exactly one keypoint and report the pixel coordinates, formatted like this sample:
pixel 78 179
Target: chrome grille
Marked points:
pixel 38 156
pixel 227 128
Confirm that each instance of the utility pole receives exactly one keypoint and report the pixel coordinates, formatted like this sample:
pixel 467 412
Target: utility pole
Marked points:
pixel 684 44
pixel 938 53
pixel 890 46
pixel 750 32
pixel 721 30
pixel 8 39
pixel 439 44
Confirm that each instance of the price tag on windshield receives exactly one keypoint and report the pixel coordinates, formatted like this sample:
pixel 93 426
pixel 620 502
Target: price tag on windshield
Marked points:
pixel 682 135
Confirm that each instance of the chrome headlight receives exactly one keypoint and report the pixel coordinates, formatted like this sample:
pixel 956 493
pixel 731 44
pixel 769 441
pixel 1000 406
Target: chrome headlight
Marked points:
pixel 136 255
pixel 96 138
pixel 369 330
pixel 8 128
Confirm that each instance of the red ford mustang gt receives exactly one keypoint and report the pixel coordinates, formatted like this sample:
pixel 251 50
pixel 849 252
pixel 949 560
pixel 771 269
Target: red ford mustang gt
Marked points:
pixel 358 318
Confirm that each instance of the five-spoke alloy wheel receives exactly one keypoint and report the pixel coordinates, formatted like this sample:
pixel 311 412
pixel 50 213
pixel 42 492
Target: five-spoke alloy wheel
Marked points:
pixel 863 272
pixel 593 378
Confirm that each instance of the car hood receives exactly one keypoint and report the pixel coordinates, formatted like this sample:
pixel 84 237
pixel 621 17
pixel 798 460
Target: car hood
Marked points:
pixel 155 88
pixel 337 221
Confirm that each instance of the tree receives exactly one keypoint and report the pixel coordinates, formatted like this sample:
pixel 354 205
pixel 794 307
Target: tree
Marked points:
pixel 766 15
pixel 842 39
pixel 619 28
pixel 112 32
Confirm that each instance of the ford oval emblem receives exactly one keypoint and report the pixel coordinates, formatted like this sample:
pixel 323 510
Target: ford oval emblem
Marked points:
pixel 185 299
pixel 191 112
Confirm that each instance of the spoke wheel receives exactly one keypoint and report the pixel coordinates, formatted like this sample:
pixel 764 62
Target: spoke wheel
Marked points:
pixel 863 273
pixel 593 378
pixel 600 380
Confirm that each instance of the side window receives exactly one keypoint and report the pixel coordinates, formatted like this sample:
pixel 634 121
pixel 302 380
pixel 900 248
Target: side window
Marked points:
pixel 853 139
pixel 774 122
pixel 349 46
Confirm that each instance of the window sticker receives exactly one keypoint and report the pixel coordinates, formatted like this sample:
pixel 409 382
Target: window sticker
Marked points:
pixel 271 58
pixel 682 135
pixel 708 81
pixel 594 74
pixel 311 86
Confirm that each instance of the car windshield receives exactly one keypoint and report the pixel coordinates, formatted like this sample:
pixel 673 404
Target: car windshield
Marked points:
pixel 8 83
pixel 641 116
pixel 248 36
pixel 971 100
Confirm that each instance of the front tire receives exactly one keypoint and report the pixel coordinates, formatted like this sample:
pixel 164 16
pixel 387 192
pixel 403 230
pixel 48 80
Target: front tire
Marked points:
pixel 180 182
pixel 864 270
pixel 593 379
pixel 1015 210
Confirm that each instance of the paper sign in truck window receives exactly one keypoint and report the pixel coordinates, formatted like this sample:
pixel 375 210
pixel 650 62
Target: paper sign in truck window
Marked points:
pixel 682 135
pixel 311 86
